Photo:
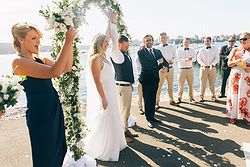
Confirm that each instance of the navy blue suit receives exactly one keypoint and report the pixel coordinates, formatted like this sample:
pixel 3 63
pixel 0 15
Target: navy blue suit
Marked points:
pixel 149 78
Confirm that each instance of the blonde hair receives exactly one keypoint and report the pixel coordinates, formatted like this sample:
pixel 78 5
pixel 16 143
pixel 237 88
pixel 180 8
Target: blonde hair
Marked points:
pixel 97 45
pixel 20 30
pixel 246 33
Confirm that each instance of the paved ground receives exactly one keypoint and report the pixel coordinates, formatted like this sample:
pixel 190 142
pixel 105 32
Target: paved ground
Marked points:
pixel 190 135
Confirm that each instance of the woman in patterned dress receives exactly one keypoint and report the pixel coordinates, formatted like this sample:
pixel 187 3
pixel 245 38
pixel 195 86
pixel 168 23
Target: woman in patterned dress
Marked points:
pixel 238 102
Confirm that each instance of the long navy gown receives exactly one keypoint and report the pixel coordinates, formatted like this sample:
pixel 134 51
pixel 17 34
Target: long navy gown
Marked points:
pixel 45 122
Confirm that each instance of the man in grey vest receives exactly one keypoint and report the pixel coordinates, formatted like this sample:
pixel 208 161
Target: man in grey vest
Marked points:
pixel 124 76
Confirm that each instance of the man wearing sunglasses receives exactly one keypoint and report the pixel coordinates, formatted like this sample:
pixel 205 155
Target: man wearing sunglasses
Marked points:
pixel 224 52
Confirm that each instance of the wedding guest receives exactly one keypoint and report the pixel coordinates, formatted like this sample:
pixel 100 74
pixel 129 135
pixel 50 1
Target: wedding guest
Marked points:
pixel 106 137
pixel 151 61
pixel 238 99
pixel 185 57
pixel 124 75
pixel 224 52
pixel 139 86
pixel 208 57
pixel 169 53
pixel 44 115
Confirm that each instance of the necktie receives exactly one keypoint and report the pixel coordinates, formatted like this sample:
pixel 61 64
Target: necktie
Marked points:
pixel 151 52
pixel 126 54
pixel 208 47
pixel 165 45
pixel 186 48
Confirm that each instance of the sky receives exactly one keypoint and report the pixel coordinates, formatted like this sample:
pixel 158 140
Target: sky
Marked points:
pixel 175 17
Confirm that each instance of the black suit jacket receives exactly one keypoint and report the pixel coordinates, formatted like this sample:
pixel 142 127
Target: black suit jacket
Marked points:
pixel 224 52
pixel 149 65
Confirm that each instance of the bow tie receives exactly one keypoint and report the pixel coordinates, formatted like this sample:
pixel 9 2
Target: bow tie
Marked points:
pixel 208 47
pixel 186 48
pixel 165 45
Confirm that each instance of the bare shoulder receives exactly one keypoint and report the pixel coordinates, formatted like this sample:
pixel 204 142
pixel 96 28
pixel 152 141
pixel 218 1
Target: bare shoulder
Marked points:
pixel 17 61
pixel 235 50
pixel 95 59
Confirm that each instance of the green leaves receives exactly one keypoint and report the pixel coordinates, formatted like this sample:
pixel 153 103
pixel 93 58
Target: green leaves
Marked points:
pixel 68 84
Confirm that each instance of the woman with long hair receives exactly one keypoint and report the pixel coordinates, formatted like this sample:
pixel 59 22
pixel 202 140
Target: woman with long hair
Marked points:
pixel 106 137
pixel 44 113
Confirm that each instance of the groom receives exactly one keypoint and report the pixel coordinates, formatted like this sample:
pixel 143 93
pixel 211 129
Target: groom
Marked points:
pixel 124 76
pixel 151 61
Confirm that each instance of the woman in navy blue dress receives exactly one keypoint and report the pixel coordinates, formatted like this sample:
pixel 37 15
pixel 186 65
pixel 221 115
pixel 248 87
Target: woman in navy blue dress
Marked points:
pixel 44 114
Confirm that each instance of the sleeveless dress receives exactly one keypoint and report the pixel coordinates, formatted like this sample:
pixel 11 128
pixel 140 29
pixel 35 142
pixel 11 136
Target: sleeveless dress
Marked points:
pixel 238 102
pixel 106 137
pixel 45 122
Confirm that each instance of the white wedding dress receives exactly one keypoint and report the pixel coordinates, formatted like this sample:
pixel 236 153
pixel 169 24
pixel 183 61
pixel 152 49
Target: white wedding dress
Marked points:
pixel 105 138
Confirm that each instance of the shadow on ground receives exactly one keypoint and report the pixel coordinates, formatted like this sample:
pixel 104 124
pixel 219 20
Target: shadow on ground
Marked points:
pixel 188 135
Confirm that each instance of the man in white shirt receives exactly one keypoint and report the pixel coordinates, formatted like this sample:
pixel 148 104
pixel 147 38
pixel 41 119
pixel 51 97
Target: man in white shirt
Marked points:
pixel 185 57
pixel 208 57
pixel 124 76
pixel 169 53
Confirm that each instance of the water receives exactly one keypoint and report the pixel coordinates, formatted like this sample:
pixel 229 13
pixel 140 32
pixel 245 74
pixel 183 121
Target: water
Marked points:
pixel 5 68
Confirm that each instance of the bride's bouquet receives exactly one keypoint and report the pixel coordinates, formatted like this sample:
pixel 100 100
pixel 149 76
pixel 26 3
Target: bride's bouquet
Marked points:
pixel 10 89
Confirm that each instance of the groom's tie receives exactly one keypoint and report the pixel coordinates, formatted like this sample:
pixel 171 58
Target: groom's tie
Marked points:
pixel 151 52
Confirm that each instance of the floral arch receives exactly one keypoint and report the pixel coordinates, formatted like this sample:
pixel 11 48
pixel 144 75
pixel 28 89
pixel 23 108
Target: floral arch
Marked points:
pixel 65 14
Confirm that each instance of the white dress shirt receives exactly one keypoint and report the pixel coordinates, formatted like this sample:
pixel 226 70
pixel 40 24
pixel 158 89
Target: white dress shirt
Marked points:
pixel 182 56
pixel 208 57
pixel 116 55
pixel 168 52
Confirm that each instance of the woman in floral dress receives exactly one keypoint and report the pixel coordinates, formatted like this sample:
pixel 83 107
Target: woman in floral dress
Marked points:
pixel 238 102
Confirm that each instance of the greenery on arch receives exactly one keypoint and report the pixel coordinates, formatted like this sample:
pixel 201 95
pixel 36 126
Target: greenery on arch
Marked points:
pixel 62 15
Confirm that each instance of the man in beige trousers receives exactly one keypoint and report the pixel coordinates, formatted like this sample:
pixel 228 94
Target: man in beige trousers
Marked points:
pixel 139 88
pixel 185 58
pixel 169 53
pixel 124 76
pixel 208 57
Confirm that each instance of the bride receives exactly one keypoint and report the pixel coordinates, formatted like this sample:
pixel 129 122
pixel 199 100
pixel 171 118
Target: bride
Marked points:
pixel 105 139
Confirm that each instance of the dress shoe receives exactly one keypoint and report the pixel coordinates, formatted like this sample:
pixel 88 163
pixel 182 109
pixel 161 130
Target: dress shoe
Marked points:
pixel 222 96
pixel 141 111
pixel 130 135
pixel 129 140
pixel 192 101
pixel 201 100
pixel 179 100
pixel 157 106
pixel 215 99
pixel 156 120
pixel 150 124
pixel 174 104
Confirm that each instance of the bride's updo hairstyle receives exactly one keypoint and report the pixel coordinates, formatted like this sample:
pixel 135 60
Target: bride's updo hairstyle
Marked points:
pixel 97 45
pixel 20 30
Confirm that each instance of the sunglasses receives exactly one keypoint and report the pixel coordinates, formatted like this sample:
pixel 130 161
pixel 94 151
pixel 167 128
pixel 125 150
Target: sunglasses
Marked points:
pixel 231 41
pixel 244 39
